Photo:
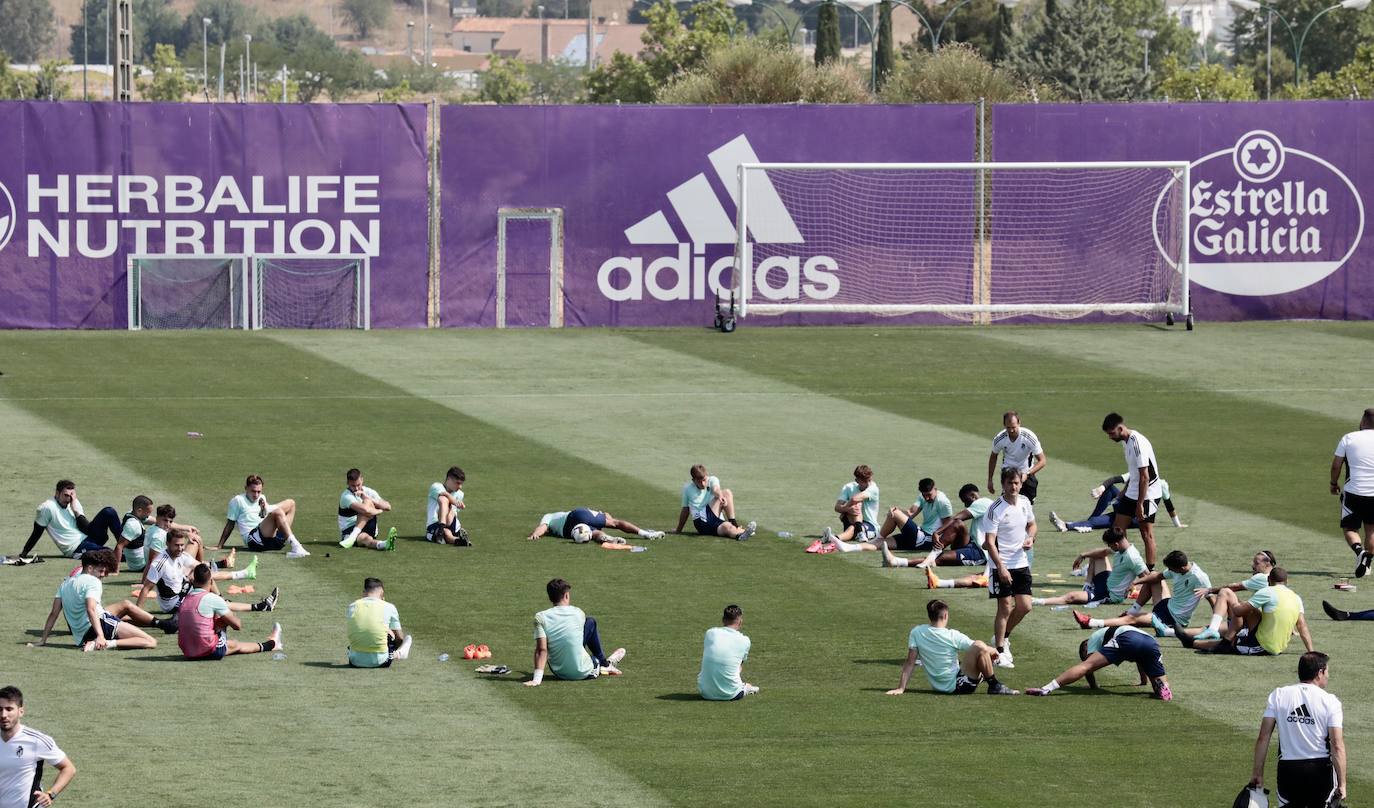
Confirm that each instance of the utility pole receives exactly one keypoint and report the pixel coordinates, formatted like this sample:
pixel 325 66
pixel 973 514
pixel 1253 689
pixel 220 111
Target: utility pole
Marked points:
pixel 205 54
pixel 221 72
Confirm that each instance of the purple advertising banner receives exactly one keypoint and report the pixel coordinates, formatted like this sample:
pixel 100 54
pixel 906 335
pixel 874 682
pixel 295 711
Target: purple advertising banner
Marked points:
pixel 1278 199
pixel 85 187
pixel 647 198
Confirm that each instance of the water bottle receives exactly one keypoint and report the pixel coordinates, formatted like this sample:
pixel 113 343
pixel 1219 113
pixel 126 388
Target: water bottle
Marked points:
pixel 4 560
pixel 443 657
pixel 279 656
pixel 784 534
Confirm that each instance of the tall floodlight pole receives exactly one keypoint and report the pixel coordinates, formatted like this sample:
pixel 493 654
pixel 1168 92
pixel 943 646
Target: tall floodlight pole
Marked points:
pixel 247 55
pixel 85 47
pixel 1146 34
pixel 221 72
pixel 410 40
pixel 205 54
pixel 427 59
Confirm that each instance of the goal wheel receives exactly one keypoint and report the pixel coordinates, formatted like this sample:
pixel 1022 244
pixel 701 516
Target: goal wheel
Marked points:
pixel 1190 322
pixel 720 321
pixel 1169 318
pixel 727 325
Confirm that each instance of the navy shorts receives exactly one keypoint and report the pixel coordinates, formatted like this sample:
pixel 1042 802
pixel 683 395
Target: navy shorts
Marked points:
pixel 596 520
pixel 259 543
pixel 1133 646
pixel 864 531
pixel 108 624
pixel 971 555
pixel 1097 587
pixel 1161 610
pixel 1126 506
pixel 708 524
pixel 1020 583
pixel 221 647
pixel 1245 644
pixel 912 538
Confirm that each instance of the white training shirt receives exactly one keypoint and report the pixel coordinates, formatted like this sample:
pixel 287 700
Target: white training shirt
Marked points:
pixel 20 757
pixel 1009 523
pixel 1303 713
pixel 169 576
pixel 1140 453
pixel 1358 450
pixel 1017 454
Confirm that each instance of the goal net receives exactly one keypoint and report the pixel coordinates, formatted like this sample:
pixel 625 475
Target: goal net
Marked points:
pixel 183 292
pixel 311 292
pixel 971 241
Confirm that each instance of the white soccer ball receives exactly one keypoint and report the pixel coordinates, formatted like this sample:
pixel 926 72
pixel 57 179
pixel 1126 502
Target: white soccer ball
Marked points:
pixel 581 534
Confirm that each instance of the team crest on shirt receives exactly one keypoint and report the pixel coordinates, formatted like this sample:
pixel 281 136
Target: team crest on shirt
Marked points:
pixel 19 752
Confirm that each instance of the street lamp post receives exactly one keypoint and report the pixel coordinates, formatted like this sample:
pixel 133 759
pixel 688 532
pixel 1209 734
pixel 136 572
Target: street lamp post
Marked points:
pixel 205 55
pixel 247 60
pixel 1353 5
pixel 1255 5
pixel 410 40
pixel 1147 34
pixel 935 30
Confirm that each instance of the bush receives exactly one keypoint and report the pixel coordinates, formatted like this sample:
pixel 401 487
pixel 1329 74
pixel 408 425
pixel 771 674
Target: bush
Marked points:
pixel 751 71
pixel 957 74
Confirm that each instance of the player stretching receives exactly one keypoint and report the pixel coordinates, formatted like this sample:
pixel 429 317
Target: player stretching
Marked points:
pixel 170 577
pixel 1311 738
pixel 1264 625
pixel 359 507
pixel 1020 449
pixel 711 508
pixel 64 520
pixel 1008 534
pixel 23 751
pixel 375 638
pixel 958 543
pixel 563 635
pixel 263 526
pixel 441 510
pixel 936 514
pixel 1112 646
pixel 1189 585
pixel 204 619
pixel 564 524
pixel 723 652
pixel 1140 500
pixel 1356 453
pixel 857 506
pixel 938 647
pixel 1111 572
pixel 1107 494
pixel 94 627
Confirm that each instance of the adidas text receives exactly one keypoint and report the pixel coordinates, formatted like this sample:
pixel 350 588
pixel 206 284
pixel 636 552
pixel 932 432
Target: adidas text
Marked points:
pixel 686 276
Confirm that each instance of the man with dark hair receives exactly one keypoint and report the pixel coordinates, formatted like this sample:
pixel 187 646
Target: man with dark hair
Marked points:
pixel 359 507
pixel 1264 625
pixel 564 524
pixel 1112 646
pixel 958 543
pixel 375 638
pixel 723 652
pixel 1140 500
pixel 857 505
pixel 441 510
pixel 1008 537
pixel 1355 453
pixel 1189 585
pixel 204 619
pixel 1112 570
pixel 65 521
pixel 563 636
pixel 938 648
pixel 170 577
pixel 1311 740
pixel 93 627
pixel 1020 450
pixel 710 507
pixel 1107 493
pixel 264 527
pixel 936 514
pixel 23 751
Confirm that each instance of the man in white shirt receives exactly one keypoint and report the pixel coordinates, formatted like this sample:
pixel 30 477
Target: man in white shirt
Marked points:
pixel 1311 743
pixel 1019 449
pixel 23 751
pixel 263 526
pixel 1008 533
pixel 1140 500
pixel 1356 453
pixel 359 507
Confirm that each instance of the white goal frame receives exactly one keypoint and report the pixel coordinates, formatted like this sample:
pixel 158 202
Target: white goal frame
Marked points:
pixel 744 263
pixel 238 283
pixel 554 217
pixel 362 280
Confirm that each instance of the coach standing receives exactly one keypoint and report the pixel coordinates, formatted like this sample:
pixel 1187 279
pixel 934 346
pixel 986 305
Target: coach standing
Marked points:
pixel 1356 453
pixel 1019 449
pixel 1311 744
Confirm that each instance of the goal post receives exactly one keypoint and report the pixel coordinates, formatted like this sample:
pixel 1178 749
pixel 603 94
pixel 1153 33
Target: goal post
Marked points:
pixel 187 292
pixel 312 291
pixel 970 241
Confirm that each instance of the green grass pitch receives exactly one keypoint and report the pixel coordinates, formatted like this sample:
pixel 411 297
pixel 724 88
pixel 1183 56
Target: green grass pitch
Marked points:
pixel 1243 417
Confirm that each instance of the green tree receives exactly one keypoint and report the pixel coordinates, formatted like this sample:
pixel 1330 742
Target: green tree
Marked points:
pixel 13 84
pixel 1212 82
pixel 169 81
pixel 827 32
pixel 1081 49
pixel 365 16
pixel 1278 72
pixel 558 81
pixel 501 8
pixel 958 74
pixel 886 55
pixel 505 82
pixel 1330 43
pixel 1356 77
pixel 49 84
pixel 155 22
pixel 622 80
pixel 272 90
pixel 27 28
pixel 671 46
pixel 755 71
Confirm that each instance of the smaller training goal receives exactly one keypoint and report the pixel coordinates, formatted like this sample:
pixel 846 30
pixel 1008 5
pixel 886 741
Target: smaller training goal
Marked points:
pixel 185 292
pixel 293 291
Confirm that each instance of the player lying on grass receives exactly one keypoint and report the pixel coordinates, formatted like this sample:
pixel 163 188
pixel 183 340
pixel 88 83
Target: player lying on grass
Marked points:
pixel 170 577
pixel 567 640
pixel 1111 572
pixel 263 527
pixel 21 770
pixel 1107 494
pixel 1188 584
pixel 723 652
pixel 1341 614
pixel 710 507
pixel 441 510
pixel 93 627
pixel 1008 537
pixel 857 506
pixel 1112 646
pixel 958 543
pixel 938 648
pixel 204 619
pixel 65 521
pixel 564 524
pixel 375 638
pixel 359 507
pixel 1264 625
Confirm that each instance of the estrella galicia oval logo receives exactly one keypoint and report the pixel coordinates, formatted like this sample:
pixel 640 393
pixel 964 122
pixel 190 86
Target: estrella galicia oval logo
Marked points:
pixel 1267 219
pixel 8 216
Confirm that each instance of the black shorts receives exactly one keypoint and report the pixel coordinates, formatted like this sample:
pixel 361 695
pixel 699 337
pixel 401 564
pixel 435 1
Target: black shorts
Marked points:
pixel 964 686
pixel 1020 583
pixel 1029 487
pixel 259 543
pixel 1245 644
pixel 369 529
pixel 108 624
pixel 1356 510
pixel 1306 783
pixel 1125 506
pixel 912 538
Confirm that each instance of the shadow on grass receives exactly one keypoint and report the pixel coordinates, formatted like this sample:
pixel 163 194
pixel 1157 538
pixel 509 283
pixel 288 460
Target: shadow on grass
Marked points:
pixel 896 663
pixel 333 665
pixel 162 658
pixel 680 697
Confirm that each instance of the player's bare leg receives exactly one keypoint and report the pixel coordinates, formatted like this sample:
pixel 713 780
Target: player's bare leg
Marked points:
pixel 727 503
pixel 1147 535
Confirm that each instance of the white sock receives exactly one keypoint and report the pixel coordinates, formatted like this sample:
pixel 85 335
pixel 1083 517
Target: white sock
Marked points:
pixel 1051 687
pixel 899 562
pixel 111 645
pixel 295 545
pixel 1134 610
pixel 927 562
pixel 379 546
pixel 1096 623
pixel 357 531
pixel 1215 625
pixel 1177 522
pixel 644 534
pixel 1037 601
pixel 945 583
pixel 846 547
pixel 1168 632
pixel 404 651
pixel 238 575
